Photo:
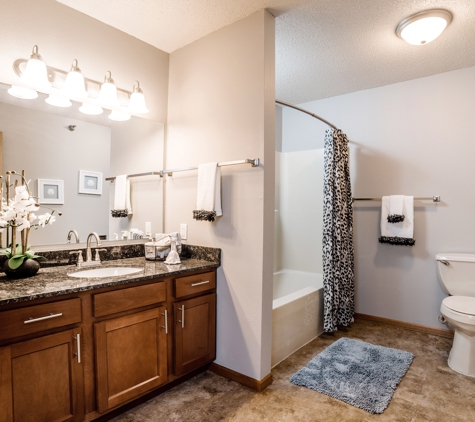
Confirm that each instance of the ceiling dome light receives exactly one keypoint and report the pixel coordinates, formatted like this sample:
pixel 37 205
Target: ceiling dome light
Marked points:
pixel 36 73
pixel 137 100
pixel 424 27
pixel 108 95
pixel 58 101
pixel 74 86
pixel 91 109
pixel 119 116
pixel 23 93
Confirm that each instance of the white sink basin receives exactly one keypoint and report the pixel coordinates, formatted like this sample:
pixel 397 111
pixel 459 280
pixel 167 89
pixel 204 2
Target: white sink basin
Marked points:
pixel 105 272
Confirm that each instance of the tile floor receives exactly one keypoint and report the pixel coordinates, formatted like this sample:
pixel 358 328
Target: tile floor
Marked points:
pixel 430 390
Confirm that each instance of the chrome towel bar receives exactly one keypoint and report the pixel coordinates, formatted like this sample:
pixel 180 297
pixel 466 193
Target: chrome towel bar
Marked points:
pixel 421 198
pixel 254 162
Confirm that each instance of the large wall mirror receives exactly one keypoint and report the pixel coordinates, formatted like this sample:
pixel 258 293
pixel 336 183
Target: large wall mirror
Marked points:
pixel 56 144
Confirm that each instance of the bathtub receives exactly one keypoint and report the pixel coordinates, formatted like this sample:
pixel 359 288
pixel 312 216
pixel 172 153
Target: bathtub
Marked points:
pixel 297 315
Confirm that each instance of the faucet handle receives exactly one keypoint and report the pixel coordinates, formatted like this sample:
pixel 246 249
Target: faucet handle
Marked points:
pixel 97 256
pixel 79 254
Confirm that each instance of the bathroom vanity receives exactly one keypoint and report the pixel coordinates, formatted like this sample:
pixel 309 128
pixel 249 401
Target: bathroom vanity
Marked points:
pixel 74 349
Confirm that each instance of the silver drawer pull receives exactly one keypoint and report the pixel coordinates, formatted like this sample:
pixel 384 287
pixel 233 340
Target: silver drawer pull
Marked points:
pixel 78 354
pixel 197 284
pixel 182 320
pixel 165 314
pixel 29 321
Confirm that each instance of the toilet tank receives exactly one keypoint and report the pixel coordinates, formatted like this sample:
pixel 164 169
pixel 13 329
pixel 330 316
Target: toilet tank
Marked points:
pixel 456 273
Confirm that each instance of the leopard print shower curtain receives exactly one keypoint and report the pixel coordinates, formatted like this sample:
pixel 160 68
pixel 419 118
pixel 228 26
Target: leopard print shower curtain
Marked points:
pixel 338 252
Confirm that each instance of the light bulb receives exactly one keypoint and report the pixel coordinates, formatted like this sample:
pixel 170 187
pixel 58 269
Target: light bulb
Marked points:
pixel 119 116
pixel 424 27
pixel 108 94
pixel 137 101
pixel 74 86
pixel 24 93
pixel 36 73
pixel 90 109
pixel 58 101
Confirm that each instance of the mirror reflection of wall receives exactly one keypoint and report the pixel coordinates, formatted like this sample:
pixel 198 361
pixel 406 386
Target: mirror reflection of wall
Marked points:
pixel 45 148
pixel 41 143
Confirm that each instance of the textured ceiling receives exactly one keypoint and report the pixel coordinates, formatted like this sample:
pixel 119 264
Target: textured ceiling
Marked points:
pixel 323 47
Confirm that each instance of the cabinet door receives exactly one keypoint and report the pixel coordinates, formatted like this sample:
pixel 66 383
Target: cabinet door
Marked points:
pixel 195 333
pixel 131 356
pixel 41 380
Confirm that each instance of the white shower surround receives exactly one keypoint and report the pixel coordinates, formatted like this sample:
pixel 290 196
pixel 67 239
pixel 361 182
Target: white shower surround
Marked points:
pixel 297 316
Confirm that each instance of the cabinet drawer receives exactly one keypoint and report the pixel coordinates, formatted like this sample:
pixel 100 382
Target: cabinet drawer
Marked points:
pixel 33 319
pixel 134 297
pixel 185 286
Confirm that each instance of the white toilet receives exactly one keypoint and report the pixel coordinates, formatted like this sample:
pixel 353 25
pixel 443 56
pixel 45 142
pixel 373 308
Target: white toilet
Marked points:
pixel 457 276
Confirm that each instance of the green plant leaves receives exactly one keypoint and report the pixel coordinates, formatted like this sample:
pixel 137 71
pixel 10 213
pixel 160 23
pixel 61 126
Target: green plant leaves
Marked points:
pixel 15 261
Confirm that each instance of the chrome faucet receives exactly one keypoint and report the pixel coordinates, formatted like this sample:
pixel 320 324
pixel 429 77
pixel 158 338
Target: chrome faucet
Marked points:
pixel 70 234
pixel 89 260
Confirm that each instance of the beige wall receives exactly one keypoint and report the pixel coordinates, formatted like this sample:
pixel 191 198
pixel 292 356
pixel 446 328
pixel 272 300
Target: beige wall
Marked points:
pixel 63 34
pixel 413 138
pixel 221 108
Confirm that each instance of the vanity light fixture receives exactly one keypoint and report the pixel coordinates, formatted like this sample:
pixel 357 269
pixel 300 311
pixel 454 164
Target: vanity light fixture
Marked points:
pixel 67 86
pixel 22 92
pixel 58 101
pixel 108 93
pixel 74 87
pixel 424 27
pixel 119 116
pixel 90 109
pixel 36 73
pixel 137 100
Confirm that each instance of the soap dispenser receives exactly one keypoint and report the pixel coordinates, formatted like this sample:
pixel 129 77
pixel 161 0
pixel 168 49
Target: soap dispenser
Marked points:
pixel 173 257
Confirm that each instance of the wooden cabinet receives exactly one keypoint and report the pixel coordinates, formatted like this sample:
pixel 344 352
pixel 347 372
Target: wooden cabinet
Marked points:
pixel 41 380
pixel 34 319
pixel 133 339
pixel 194 284
pixel 195 333
pixel 131 356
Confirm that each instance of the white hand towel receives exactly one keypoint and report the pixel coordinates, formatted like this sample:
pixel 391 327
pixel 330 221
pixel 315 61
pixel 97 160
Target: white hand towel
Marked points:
pixel 122 204
pixel 208 203
pixel 401 233
pixel 396 205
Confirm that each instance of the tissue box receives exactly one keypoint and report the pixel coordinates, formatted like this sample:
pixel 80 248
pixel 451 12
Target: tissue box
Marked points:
pixel 160 249
pixel 156 252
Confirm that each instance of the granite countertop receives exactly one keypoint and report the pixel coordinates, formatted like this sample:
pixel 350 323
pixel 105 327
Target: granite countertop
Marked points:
pixel 54 281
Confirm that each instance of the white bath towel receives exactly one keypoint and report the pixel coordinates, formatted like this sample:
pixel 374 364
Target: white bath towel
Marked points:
pixel 122 204
pixel 208 202
pixel 400 233
pixel 396 206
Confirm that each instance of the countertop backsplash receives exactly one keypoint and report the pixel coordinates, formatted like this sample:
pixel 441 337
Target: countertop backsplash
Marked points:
pixel 58 257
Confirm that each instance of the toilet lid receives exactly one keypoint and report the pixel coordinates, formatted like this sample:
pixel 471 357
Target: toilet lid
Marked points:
pixel 462 304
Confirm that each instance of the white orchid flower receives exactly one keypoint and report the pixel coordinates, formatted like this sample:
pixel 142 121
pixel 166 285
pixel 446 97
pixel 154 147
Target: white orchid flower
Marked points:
pixel 21 193
pixel 22 223
pixel 43 219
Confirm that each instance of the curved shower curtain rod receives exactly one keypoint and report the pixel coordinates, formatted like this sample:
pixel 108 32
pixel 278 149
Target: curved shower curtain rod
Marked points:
pixel 308 112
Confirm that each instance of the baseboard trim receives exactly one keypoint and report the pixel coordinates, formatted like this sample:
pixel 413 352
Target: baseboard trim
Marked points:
pixel 249 382
pixel 408 325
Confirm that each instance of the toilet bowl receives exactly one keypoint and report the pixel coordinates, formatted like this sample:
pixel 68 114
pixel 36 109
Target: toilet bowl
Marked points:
pixel 459 311
pixel 456 274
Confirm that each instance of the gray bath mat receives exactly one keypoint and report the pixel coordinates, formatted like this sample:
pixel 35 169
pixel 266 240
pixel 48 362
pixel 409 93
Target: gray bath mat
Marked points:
pixel 357 373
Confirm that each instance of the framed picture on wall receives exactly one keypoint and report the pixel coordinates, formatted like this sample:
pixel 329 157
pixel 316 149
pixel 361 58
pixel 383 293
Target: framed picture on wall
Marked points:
pixel 90 182
pixel 50 191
